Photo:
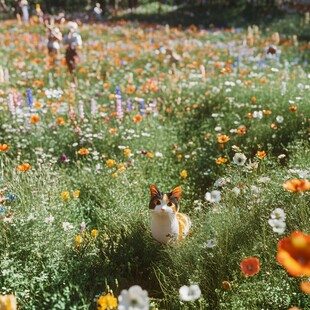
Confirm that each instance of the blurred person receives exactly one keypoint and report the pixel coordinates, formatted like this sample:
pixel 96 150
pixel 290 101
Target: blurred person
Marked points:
pixel 18 11
pixel 24 7
pixel 54 38
pixel 73 41
pixel 98 12
pixel 39 15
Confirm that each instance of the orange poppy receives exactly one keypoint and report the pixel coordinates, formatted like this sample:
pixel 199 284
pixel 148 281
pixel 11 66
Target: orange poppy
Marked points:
pixel 294 254
pixel 150 154
pixel 261 154
pixel 253 99
pixel 241 130
pixel 137 118
pixel 305 287
pixel 221 160
pixel 37 104
pixel 4 147
pixel 60 121
pixel 296 185
pixel 267 112
pixel 23 167
pixel 250 266
pixel 83 151
pixel 112 131
pixel 222 139
pixel 293 108
pixel 34 119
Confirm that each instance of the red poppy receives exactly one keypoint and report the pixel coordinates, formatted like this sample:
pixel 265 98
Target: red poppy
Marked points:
pixel 250 266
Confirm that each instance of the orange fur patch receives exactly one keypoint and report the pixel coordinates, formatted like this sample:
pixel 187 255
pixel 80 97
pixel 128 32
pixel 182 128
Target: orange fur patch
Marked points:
pixel 183 224
pixel 177 192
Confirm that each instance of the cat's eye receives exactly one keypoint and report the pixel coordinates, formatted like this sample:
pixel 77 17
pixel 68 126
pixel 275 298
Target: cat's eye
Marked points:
pixel 169 204
pixel 157 202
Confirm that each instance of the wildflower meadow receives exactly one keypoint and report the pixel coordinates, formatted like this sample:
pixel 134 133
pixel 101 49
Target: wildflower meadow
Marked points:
pixel 222 113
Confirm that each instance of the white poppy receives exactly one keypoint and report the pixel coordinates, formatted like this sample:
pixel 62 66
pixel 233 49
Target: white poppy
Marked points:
pixel 189 293
pixel 133 299
pixel 239 159
pixel 278 226
pixel 214 196
pixel 278 214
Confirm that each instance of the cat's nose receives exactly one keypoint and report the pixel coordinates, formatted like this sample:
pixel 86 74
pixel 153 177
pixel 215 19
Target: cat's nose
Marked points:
pixel 163 209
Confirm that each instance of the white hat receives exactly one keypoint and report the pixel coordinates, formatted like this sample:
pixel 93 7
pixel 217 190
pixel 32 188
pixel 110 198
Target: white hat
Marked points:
pixel 73 25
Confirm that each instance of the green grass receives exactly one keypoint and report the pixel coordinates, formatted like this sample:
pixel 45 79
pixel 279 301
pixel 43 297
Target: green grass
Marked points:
pixel 40 260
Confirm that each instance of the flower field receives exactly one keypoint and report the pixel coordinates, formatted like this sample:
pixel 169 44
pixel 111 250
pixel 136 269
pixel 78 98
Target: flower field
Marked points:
pixel 223 113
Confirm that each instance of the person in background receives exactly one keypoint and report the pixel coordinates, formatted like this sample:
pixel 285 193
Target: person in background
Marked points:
pixel 98 12
pixel 54 38
pixel 24 7
pixel 18 11
pixel 73 41
pixel 39 15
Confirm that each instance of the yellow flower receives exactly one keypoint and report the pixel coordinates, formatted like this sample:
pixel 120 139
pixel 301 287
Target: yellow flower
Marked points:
pixel 78 240
pixel 114 175
pixel 83 151
pixel 150 154
pixel 107 302
pixel 76 194
pixel 65 195
pixel 8 302
pixel 94 233
pixel 221 160
pixel 222 139
pixel 183 174
pixel 110 163
pixel 127 152
pixel 121 168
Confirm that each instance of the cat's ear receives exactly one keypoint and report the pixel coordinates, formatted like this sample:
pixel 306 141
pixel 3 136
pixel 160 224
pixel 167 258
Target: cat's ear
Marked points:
pixel 154 191
pixel 177 192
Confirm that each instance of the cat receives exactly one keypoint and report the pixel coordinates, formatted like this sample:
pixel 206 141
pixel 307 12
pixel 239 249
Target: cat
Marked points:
pixel 168 225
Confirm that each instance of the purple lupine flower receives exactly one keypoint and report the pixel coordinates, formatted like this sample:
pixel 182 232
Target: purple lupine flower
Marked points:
pixel 128 105
pixel 29 98
pixel 119 108
pixel 142 106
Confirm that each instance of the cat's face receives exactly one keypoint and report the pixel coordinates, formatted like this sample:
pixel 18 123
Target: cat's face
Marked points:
pixel 164 203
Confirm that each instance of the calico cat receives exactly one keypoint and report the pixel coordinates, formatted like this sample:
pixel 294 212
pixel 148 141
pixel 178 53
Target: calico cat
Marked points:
pixel 168 225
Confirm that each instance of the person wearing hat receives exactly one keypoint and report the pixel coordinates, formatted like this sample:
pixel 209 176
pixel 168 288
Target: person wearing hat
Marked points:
pixel 73 41
pixel 54 38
